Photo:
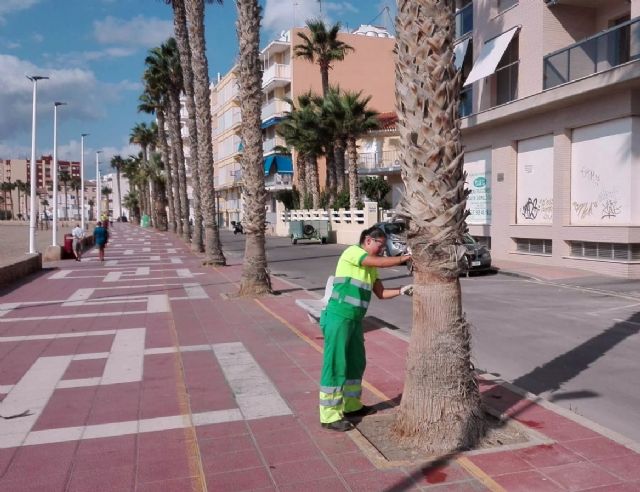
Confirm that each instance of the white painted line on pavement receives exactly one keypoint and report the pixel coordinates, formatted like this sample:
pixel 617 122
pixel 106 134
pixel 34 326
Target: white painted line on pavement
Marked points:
pixel 125 363
pixel 255 394
pixel 60 274
pixel 30 395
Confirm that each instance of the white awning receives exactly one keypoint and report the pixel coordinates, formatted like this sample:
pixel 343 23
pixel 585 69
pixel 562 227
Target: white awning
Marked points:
pixel 490 56
pixel 460 50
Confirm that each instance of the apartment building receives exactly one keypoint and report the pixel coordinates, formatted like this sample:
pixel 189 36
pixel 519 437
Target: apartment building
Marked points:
pixel 114 200
pixel 369 68
pixel 19 171
pixel 551 130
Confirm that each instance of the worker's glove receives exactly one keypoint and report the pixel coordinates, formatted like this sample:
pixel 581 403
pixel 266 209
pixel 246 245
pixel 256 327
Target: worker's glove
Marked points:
pixel 407 290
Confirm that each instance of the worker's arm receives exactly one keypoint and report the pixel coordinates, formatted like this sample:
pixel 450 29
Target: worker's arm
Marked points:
pixel 384 261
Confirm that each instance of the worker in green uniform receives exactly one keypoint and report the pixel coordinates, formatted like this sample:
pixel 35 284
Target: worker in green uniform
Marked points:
pixel 341 323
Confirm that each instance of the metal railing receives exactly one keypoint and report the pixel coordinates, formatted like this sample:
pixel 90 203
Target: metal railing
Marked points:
pixel 464 20
pixel 507 82
pixel 466 102
pixel 377 160
pixel 605 50
pixel 274 107
pixel 278 180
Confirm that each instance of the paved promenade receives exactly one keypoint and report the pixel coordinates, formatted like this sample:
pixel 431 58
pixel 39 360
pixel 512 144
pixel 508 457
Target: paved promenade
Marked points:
pixel 145 373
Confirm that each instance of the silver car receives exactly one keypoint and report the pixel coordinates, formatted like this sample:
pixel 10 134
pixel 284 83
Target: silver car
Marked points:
pixel 396 232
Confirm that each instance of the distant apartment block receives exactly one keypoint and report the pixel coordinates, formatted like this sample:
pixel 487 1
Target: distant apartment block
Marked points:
pixel 551 129
pixel 370 69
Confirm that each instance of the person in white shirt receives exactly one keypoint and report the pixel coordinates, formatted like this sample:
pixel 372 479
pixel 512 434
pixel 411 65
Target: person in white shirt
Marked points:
pixel 78 235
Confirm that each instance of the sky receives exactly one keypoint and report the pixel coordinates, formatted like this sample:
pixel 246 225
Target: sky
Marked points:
pixel 94 51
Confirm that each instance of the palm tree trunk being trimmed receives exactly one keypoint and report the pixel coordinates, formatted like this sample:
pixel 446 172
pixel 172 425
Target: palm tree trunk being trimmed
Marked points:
pixel 440 408
pixel 202 96
pixel 182 40
pixel 255 276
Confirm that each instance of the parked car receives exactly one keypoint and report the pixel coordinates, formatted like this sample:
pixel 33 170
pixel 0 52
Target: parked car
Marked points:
pixel 477 257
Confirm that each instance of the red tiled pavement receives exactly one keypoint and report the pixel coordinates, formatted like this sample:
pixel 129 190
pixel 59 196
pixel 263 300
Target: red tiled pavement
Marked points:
pixel 284 453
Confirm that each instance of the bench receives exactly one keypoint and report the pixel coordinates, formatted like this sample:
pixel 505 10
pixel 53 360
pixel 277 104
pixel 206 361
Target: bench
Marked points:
pixel 314 307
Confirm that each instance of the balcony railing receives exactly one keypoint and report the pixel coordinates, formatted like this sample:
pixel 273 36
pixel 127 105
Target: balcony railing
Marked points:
pixel 466 102
pixel 507 83
pixel 276 71
pixel 268 145
pixel 464 20
pixel 274 180
pixel 275 107
pixel 605 50
pixel 379 160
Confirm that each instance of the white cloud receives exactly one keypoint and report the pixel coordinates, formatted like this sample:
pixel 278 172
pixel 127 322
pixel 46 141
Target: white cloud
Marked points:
pixel 137 32
pixel 83 58
pixel 9 6
pixel 37 37
pixel 281 15
pixel 86 96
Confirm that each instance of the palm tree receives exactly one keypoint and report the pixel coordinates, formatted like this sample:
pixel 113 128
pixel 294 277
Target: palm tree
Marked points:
pixel 117 163
pixel 255 277
pixel 132 203
pixel 182 40
pixel 199 65
pixel 440 408
pixel 65 178
pixel 20 186
pixel 106 192
pixel 75 186
pixel 7 187
pixel 154 101
pixel 91 203
pixel 322 47
pixel 164 71
pixel 357 121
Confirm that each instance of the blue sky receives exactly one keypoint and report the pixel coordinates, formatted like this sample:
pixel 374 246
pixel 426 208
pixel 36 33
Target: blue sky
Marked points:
pixel 94 50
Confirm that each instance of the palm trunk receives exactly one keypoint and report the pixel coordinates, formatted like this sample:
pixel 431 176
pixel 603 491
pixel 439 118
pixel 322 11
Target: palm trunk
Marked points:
pixel 19 205
pixel 339 148
pixel 166 158
pixel 324 75
pixel 176 193
pixel 176 141
pixel 255 276
pixel 440 408
pixel 202 96
pixel 313 181
pixel 331 178
pixel 182 40
pixel 354 191
pixel 301 168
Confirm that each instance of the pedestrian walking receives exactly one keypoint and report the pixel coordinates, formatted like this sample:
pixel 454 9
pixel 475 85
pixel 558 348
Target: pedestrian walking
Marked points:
pixel 101 238
pixel 78 235
pixel 344 357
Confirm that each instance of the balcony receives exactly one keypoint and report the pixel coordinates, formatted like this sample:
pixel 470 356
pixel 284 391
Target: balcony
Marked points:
pixel 277 75
pixel 603 51
pixel 376 161
pixel 464 20
pixel 268 145
pixel 278 181
pixel 275 108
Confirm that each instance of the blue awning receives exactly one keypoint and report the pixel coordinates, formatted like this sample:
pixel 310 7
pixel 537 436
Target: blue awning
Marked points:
pixel 274 120
pixel 283 164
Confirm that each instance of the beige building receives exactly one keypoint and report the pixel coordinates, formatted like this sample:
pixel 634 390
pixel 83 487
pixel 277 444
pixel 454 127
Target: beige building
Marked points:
pixel 369 68
pixel 551 130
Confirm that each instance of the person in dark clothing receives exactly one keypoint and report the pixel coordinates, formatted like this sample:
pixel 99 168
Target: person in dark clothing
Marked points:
pixel 101 238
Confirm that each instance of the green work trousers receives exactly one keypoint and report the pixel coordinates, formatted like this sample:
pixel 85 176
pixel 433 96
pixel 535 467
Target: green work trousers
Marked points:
pixel 343 365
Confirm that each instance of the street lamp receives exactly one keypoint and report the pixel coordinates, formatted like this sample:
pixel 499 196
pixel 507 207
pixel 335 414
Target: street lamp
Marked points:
pixel 54 239
pixel 98 190
pixel 33 211
pixel 82 178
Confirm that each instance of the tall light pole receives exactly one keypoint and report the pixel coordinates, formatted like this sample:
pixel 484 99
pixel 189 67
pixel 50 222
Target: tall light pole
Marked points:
pixel 54 239
pixel 82 179
pixel 33 211
pixel 98 190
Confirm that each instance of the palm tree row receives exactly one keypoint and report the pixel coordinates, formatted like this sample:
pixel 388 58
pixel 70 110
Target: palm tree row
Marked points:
pixel 328 126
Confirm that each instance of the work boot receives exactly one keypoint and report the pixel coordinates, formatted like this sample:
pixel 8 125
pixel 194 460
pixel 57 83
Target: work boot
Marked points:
pixel 362 412
pixel 338 425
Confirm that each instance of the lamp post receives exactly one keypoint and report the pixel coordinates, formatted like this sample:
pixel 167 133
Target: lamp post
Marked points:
pixel 54 239
pixel 32 209
pixel 82 179
pixel 98 190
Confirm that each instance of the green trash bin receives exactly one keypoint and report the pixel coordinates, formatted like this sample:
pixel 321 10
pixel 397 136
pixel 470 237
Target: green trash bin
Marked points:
pixel 145 221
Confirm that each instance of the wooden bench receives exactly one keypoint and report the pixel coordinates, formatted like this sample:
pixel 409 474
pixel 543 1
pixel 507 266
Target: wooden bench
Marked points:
pixel 314 307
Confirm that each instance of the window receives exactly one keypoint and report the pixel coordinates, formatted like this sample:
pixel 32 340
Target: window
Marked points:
pixel 533 246
pixel 605 251
pixel 506 76
pixel 464 18
pixel 502 5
